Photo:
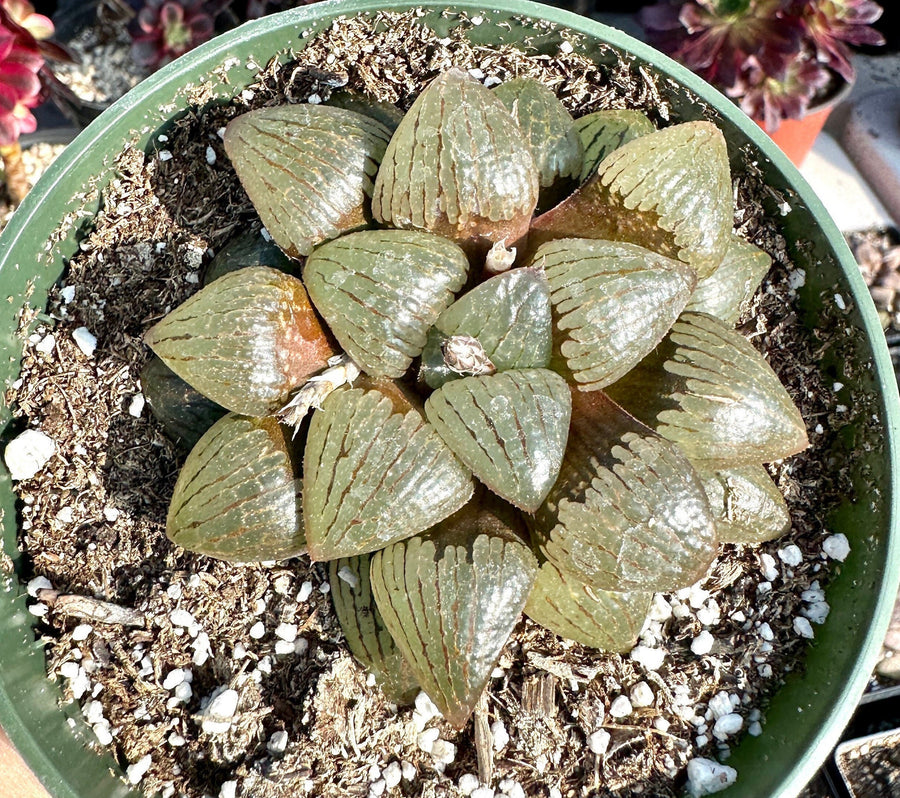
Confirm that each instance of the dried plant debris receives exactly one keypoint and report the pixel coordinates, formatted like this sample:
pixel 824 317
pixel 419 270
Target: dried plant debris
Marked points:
pixel 209 678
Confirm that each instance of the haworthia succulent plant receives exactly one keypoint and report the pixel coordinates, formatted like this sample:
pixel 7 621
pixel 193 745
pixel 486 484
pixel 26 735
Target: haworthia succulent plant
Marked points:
pixel 238 496
pixel 381 290
pixel 374 474
pixel 509 315
pixel 457 166
pixel 308 169
pixel 509 428
pixel 658 192
pixel 605 619
pixel 451 599
pixel 708 390
pixel 628 511
pixel 364 629
pixel 588 505
pixel 245 341
pixel 612 304
pixel 601 132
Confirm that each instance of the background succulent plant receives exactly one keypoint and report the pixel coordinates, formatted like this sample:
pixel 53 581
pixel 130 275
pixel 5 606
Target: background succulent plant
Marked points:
pixel 564 437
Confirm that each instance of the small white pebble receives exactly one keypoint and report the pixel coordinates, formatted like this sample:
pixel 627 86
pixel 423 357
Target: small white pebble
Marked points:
pixel 755 729
pixel 709 614
pixel 706 777
pixel 620 707
pixel 183 692
pixel 286 631
pixel 138 770
pixel 324 588
pixel 443 751
pixel 38 610
pixel 765 631
pixel 216 717
pixel 649 658
pixel 500 735
pixel 720 704
pixel 202 649
pixel 839 301
pixel 111 514
pixel 284 647
pixel 476 73
pixel 427 738
pixel 210 156
pixel 768 566
pixel 165 155
pixel 803 627
pixel 817 612
pixel 228 789
pixel 797 278
pixel 103 732
pixel 702 643
pixel 69 669
pixel 791 555
pixel 642 695
pixel 68 294
pixel 28 453
pixel 278 742
pixel 700 740
pixel 180 617
pixel 314 99
pixel 482 792
pixel 837 386
pixel 347 575
pixel 305 592
pixel 408 769
pixel 819 429
pixel 258 630
pixel 598 742
pixel 555 792
pixel 836 546
pixel 661 724
pixel 301 646
pixel 566 47
pixel 764 587
pixel 477 20
pixel 392 775
pixel 36 584
pixel 468 783
pixel 65 515
pixel 173 678
pixel 727 725
pixel 136 406
pixel 511 788
pixel 46 344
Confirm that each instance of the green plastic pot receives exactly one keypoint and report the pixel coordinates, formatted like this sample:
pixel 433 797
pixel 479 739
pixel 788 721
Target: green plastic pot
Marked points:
pixel 806 716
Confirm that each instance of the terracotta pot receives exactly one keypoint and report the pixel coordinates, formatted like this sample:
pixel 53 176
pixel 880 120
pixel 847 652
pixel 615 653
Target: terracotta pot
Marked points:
pixel 795 137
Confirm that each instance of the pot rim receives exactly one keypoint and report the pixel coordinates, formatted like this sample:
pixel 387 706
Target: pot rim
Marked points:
pixel 89 143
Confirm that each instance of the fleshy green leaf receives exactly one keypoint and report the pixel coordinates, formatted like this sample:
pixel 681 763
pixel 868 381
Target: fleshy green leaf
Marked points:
pixel 604 131
pixel 308 170
pixel 451 599
pixel 249 249
pixel 184 412
pixel 628 511
pixel 509 314
pixel 726 292
pixel 245 341
pixel 746 503
pixel 668 191
pixel 458 166
pixel 605 619
pixel 612 304
pixel 367 636
pixel 550 132
pixel 381 290
pixel 707 389
pixel 237 497
pixel 374 474
pixel 509 428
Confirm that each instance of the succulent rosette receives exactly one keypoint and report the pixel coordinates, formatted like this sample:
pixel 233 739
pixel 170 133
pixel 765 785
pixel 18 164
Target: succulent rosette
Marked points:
pixel 511 411
pixel 167 29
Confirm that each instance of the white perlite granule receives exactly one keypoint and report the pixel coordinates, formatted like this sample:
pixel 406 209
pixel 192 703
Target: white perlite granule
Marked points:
pixel 706 777
pixel 28 453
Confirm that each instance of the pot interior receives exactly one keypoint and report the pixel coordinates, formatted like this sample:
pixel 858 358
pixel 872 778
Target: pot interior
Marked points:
pixel 805 719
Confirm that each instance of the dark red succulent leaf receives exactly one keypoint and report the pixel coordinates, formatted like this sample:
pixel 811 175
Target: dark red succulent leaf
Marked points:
pixel 21 61
pixel 167 29
pixel 833 24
